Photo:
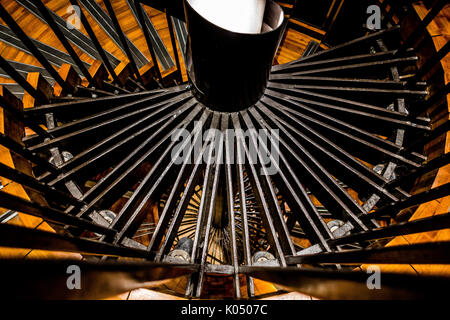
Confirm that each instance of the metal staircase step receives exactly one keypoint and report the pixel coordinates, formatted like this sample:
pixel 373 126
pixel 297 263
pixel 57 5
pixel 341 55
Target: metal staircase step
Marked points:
pixel 181 34
pixel 75 36
pixel 54 56
pixel 104 21
pixel 160 49
pixel 24 69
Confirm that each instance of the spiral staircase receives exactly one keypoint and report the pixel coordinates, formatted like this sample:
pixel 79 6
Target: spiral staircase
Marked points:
pixel 91 119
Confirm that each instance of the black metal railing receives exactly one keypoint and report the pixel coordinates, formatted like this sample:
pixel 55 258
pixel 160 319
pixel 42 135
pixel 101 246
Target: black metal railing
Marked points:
pixel 125 138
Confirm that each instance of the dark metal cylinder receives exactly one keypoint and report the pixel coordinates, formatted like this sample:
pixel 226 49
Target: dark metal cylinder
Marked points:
pixel 229 70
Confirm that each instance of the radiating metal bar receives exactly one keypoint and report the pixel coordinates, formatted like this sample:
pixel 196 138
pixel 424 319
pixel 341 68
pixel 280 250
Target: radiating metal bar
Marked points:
pixel 342 160
pixel 123 39
pixel 75 108
pixel 20 237
pixel 437 222
pixel 240 158
pixel 94 39
pixel 346 107
pixel 114 88
pixel 335 195
pixel 392 92
pixel 21 150
pixel 34 50
pixel 30 279
pixel 177 188
pixel 203 223
pixel 305 211
pixel 338 48
pixel 18 115
pixel 153 178
pixel 31 182
pixel 106 23
pixel 229 159
pixel 174 46
pixel 103 148
pixel 181 32
pixel 369 146
pixel 21 81
pixel 419 198
pixel 54 56
pixel 75 36
pixel 419 253
pixel 341 82
pixel 352 285
pixel 160 49
pixel 140 17
pixel 340 61
pixel 259 193
pixel 114 178
pixel 97 121
pixel 93 92
pixel 216 162
pixel 15 203
pixel 359 66
pixel 343 102
pixel 431 165
pixel 54 26
pixel 272 201
pixel 23 69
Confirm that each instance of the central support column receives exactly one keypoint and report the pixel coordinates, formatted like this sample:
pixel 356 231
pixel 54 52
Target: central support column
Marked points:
pixel 229 63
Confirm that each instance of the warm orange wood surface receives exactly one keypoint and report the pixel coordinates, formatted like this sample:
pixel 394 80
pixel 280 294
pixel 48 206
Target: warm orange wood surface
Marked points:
pixel 439 29
pixel 292 48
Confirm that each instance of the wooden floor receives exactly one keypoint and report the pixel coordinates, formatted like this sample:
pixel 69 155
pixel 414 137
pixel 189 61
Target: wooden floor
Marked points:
pixel 439 29
pixel 291 49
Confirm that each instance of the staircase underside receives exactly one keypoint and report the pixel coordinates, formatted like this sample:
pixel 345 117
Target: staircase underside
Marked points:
pixel 321 193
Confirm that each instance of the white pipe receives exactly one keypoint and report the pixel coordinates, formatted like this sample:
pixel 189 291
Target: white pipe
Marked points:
pixel 243 16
